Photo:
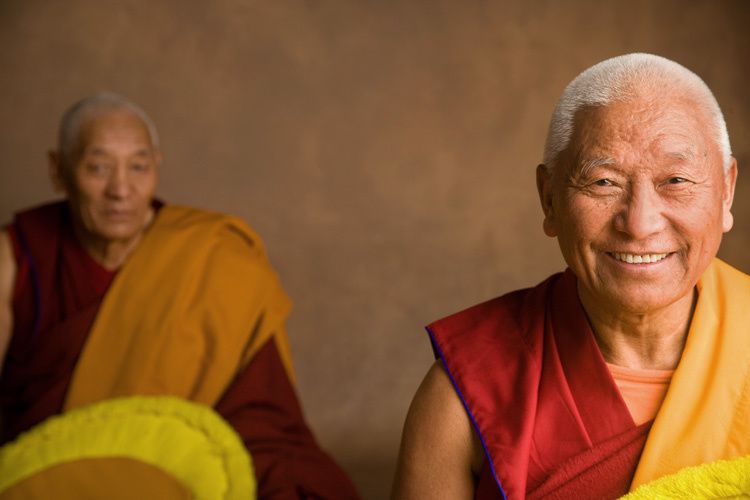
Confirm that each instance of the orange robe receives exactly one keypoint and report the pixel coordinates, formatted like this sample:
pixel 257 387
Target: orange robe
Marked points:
pixel 195 312
pixel 705 415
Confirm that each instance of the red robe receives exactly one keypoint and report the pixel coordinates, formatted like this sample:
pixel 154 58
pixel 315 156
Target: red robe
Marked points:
pixel 58 291
pixel 532 379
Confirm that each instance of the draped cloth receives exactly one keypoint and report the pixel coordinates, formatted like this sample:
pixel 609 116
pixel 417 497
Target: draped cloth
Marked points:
pixel 196 312
pixel 57 294
pixel 705 416
pixel 548 413
pixel 194 303
pixel 527 368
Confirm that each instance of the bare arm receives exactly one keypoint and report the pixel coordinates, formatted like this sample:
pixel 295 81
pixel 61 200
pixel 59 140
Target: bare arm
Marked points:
pixel 7 280
pixel 440 453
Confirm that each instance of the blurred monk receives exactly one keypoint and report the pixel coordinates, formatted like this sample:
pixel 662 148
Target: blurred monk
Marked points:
pixel 112 293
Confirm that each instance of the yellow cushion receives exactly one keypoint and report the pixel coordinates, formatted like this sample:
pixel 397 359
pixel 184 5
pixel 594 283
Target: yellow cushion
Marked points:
pixel 186 440
pixel 720 479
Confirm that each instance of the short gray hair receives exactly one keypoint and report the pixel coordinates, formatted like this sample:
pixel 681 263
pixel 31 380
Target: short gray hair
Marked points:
pixel 90 107
pixel 621 78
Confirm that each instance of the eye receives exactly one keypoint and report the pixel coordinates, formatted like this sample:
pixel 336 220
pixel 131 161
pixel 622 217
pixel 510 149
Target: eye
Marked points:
pixel 603 183
pixel 139 167
pixel 96 168
pixel 676 180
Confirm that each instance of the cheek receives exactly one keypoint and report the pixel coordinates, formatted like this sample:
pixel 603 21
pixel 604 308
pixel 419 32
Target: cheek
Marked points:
pixel 146 185
pixel 702 218
pixel 587 220
pixel 701 230
pixel 86 189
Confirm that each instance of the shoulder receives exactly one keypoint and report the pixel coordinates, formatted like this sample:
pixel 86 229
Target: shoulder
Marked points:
pixel 178 222
pixel 7 282
pixel 45 215
pixel 514 315
pixel 35 232
pixel 720 280
pixel 728 275
pixel 7 267
pixel 221 248
pixel 436 401
pixel 440 453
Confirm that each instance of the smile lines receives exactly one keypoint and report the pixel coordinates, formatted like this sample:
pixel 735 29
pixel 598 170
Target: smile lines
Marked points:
pixel 632 258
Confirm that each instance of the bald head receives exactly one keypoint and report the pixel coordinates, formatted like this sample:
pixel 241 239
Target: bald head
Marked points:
pixel 79 115
pixel 626 78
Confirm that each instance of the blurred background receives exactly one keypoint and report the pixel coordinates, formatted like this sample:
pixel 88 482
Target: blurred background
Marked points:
pixel 385 150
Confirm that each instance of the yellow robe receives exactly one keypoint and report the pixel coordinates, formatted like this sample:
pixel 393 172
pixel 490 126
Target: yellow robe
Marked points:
pixel 706 413
pixel 188 310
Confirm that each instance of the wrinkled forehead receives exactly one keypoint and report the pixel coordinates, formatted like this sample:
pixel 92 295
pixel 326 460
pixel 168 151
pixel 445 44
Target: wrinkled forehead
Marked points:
pixel 116 126
pixel 641 130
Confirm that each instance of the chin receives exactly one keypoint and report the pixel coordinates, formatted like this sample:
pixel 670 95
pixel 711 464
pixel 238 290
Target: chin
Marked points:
pixel 119 233
pixel 645 303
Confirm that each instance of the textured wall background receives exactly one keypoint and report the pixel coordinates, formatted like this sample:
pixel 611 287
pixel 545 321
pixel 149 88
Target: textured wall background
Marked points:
pixel 384 149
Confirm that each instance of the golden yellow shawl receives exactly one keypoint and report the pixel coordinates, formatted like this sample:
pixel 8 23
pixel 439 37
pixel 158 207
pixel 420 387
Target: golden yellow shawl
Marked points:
pixel 188 310
pixel 705 416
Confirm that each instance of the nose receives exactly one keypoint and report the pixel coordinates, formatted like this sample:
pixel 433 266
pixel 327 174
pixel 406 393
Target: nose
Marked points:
pixel 642 214
pixel 118 184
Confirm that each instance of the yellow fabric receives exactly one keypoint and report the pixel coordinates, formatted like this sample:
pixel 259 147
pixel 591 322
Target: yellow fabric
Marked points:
pixel 113 478
pixel 705 416
pixel 190 307
pixel 723 479
pixel 187 440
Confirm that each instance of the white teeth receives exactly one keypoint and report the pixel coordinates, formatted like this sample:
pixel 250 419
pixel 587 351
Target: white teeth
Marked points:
pixel 631 258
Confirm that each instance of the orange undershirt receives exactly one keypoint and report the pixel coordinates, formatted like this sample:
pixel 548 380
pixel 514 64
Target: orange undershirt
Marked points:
pixel 642 390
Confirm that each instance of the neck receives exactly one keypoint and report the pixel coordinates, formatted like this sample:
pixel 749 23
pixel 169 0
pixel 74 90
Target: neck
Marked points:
pixel 111 254
pixel 652 340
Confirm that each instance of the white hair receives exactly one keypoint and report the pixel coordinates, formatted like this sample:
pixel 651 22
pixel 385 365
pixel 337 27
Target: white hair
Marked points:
pixel 622 78
pixel 74 119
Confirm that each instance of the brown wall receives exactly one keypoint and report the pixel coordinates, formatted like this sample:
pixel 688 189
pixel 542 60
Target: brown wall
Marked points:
pixel 384 149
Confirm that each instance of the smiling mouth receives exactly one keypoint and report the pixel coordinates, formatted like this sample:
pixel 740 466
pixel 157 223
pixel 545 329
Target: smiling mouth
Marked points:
pixel 635 258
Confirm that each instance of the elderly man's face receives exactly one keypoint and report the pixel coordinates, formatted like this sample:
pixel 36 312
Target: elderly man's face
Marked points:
pixel 639 203
pixel 111 185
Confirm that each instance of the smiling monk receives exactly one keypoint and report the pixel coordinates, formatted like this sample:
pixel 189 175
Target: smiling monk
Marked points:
pixel 633 363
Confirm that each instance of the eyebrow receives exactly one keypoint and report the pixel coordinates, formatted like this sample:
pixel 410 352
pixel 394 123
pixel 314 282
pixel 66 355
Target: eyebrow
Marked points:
pixel 101 152
pixel 587 166
pixel 684 155
pixel 95 151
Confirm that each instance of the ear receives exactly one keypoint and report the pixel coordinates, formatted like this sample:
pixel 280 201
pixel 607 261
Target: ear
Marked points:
pixel 730 181
pixel 56 174
pixel 544 187
pixel 158 158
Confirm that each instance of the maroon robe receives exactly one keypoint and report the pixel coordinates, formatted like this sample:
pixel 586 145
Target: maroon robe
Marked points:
pixel 548 413
pixel 58 291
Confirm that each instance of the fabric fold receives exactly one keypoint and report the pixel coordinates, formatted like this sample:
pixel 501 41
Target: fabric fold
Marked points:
pixel 705 415
pixel 527 367
pixel 192 305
